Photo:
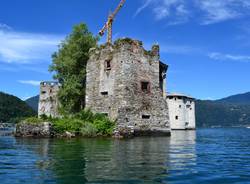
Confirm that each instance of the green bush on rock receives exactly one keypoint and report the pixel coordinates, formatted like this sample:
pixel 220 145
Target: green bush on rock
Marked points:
pixel 33 120
pixel 84 123
pixel 88 130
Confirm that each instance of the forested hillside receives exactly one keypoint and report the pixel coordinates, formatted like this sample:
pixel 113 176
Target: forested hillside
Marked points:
pixel 237 99
pixel 12 107
pixel 214 113
pixel 33 102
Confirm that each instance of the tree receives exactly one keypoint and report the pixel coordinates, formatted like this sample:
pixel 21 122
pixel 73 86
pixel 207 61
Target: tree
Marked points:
pixel 69 64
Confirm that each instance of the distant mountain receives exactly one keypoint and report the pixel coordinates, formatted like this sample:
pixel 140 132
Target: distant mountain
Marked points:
pixel 33 102
pixel 227 112
pixel 12 108
pixel 237 99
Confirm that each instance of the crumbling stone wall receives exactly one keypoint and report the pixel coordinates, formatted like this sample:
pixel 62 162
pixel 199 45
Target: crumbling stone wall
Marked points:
pixel 48 100
pixel 127 83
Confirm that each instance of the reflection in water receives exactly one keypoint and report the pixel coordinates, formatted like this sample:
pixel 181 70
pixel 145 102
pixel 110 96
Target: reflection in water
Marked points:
pixel 106 160
pixel 182 148
pixel 100 160
pixel 211 157
pixel 131 160
pixel 182 155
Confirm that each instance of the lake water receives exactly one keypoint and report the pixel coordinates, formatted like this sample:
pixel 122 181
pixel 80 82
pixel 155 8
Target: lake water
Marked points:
pixel 202 156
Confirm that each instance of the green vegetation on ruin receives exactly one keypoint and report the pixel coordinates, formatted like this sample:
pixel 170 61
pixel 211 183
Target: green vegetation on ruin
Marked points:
pixel 69 67
pixel 84 123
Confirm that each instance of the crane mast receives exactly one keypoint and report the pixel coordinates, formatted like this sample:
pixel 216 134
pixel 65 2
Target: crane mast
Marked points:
pixel 108 25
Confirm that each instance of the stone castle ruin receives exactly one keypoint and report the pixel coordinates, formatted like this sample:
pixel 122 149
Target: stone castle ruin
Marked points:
pixel 48 100
pixel 127 83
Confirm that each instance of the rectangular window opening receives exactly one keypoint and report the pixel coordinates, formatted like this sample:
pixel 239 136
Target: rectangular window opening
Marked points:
pixel 145 116
pixel 104 93
pixel 176 117
pixel 107 65
pixel 105 114
pixel 145 87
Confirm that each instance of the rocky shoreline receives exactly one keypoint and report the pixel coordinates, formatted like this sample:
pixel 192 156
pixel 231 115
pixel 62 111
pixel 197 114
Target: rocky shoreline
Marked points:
pixel 25 129
pixel 46 130
pixel 41 130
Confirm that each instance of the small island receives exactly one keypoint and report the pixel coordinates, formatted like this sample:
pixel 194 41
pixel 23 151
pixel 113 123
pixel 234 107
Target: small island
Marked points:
pixel 114 90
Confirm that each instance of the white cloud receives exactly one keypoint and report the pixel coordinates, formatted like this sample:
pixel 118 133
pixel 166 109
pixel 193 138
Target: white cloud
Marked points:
pixel 217 11
pixel 4 27
pixel 144 5
pixel 207 11
pixel 30 82
pixel 175 10
pixel 224 57
pixel 20 47
pixel 166 8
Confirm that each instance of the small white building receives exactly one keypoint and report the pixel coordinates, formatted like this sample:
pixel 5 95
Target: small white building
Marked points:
pixel 48 100
pixel 181 111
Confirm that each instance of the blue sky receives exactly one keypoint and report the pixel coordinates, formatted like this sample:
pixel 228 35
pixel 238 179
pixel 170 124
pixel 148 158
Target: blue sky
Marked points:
pixel 206 43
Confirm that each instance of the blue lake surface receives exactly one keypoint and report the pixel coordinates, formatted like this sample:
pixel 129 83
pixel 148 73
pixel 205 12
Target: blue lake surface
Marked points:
pixel 203 156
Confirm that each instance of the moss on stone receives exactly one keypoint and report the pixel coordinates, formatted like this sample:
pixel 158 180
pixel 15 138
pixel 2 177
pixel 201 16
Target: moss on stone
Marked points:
pixel 127 40
pixel 32 120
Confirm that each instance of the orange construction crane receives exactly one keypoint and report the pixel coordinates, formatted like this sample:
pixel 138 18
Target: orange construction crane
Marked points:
pixel 109 23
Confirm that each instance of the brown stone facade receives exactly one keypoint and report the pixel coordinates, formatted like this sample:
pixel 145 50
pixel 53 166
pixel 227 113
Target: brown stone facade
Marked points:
pixel 127 83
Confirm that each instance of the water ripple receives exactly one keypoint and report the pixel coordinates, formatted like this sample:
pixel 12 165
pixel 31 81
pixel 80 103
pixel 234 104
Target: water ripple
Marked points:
pixel 204 156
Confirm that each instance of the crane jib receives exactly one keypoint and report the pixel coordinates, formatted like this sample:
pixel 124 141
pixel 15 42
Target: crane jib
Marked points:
pixel 108 24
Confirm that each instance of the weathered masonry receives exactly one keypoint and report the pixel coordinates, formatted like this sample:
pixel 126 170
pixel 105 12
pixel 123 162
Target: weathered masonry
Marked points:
pixel 48 100
pixel 127 83
pixel 181 111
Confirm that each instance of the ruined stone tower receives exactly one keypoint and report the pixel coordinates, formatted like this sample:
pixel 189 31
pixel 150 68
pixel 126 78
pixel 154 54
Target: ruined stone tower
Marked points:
pixel 127 83
pixel 48 101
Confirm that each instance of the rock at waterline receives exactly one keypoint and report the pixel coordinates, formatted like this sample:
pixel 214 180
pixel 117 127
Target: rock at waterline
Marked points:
pixel 25 129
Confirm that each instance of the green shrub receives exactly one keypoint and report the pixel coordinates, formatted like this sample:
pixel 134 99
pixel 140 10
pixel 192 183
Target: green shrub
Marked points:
pixel 86 115
pixel 101 122
pixel 104 126
pixel 67 124
pixel 88 130
pixel 33 120
pixel 85 123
